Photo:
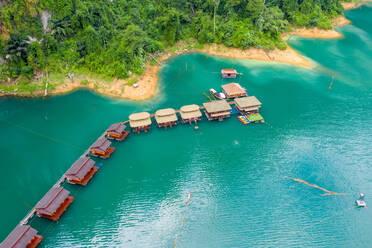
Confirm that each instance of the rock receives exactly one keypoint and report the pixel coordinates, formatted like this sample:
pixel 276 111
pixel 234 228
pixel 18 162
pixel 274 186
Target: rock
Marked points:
pixel 135 85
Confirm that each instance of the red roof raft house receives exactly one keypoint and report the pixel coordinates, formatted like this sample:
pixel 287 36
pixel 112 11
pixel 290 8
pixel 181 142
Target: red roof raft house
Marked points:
pixel 54 203
pixel 23 236
pixel 229 73
pixel 101 148
pixel 117 131
pixel 166 117
pixel 81 171
pixel 233 90
pixel 217 110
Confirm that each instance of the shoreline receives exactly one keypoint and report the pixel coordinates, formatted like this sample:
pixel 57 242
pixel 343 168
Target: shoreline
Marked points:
pixel 147 82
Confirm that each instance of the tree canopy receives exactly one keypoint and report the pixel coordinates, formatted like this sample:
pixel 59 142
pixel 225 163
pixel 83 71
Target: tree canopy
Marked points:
pixel 113 37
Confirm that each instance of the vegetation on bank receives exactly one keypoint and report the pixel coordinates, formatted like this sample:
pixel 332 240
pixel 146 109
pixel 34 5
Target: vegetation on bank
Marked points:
pixel 115 38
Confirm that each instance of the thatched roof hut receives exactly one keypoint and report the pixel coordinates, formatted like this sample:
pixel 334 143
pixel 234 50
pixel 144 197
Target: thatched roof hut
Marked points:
pixel 137 120
pixel 163 116
pixel 247 104
pixel 190 112
pixel 232 90
pixel 217 109
pixel 21 237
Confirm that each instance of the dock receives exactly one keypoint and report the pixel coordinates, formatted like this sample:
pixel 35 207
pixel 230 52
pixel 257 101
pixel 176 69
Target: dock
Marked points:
pixel 141 122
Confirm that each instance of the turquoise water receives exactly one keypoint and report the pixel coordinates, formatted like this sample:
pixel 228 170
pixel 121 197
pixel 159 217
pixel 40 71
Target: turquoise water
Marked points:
pixel 237 174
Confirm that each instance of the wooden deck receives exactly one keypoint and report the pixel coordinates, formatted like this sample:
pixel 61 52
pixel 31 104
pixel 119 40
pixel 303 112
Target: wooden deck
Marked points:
pixel 35 241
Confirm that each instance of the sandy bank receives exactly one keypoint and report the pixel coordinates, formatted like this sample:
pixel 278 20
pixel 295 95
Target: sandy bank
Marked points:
pixel 353 5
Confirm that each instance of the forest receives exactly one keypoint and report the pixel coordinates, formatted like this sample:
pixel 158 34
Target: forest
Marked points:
pixel 115 37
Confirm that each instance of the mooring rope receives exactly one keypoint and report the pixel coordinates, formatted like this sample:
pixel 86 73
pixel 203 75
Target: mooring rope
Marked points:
pixel 316 186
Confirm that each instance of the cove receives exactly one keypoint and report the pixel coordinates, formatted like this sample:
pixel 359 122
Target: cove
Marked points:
pixel 236 173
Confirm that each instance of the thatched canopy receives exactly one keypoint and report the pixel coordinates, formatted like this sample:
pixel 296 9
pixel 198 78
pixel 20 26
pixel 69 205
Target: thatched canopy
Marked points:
pixel 52 200
pixel 139 119
pixel 190 112
pixel 165 115
pixel 80 168
pixel 233 90
pixel 247 103
pixel 19 237
pixel 216 106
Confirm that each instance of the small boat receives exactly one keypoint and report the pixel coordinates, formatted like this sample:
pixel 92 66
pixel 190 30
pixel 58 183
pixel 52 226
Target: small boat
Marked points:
pixel 360 203
pixel 217 95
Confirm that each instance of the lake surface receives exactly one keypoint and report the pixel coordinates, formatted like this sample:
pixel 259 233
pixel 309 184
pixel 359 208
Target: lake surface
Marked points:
pixel 241 196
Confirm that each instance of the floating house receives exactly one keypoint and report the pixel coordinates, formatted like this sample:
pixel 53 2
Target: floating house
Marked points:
pixel 190 113
pixel 140 122
pixel 217 110
pixel 54 203
pixel 23 236
pixel 117 131
pixel 81 171
pixel 101 148
pixel 165 117
pixel 233 90
pixel 229 73
pixel 247 105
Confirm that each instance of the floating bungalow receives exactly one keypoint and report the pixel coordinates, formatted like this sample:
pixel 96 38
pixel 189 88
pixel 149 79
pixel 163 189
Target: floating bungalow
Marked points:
pixel 140 122
pixel 247 105
pixel 233 90
pixel 101 148
pixel 165 117
pixel 117 131
pixel 23 236
pixel 229 73
pixel 217 110
pixel 54 203
pixel 81 171
pixel 190 113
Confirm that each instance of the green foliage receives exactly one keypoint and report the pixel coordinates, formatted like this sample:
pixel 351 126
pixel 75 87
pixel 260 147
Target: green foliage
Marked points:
pixel 114 38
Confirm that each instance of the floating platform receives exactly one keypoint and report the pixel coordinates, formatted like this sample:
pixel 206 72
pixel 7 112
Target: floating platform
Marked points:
pixel 255 118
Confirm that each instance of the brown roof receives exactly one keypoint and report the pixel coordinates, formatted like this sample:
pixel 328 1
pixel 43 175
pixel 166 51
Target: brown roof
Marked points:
pixel 165 115
pixel 52 200
pixel 101 144
pixel 228 71
pixel 19 237
pixel 233 89
pixel 190 111
pixel 217 106
pixel 117 128
pixel 80 168
pixel 139 119
pixel 247 102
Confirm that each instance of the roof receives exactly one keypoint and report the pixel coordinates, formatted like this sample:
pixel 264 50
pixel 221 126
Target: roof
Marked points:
pixel 190 111
pixel 139 119
pixel 165 115
pixel 139 116
pixel 233 89
pixel 101 144
pixel 216 106
pixel 116 128
pixel 52 200
pixel 228 71
pixel 19 237
pixel 80 168
pixel 247 102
